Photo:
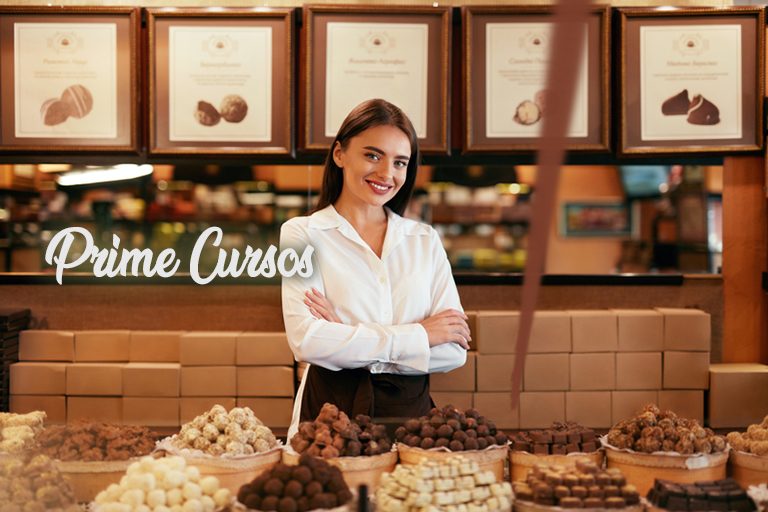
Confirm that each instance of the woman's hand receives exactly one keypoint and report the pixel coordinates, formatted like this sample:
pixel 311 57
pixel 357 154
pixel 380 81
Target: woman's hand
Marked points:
pixel 449 326
pixel 320 307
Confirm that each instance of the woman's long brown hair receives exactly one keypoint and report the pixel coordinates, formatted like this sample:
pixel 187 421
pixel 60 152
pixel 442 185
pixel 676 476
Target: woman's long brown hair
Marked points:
pixel 369 114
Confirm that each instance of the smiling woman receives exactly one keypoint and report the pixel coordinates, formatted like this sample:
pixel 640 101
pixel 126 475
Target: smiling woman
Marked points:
pixel 381 311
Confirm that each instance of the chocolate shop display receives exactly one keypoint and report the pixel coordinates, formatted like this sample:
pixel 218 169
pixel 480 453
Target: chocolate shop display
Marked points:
pixel 360 448
pixel 455 483
pixel 448 430
pixel 163 482
pixel 94 455
pixel 719 495
pixel 563 443
pixel 235 446
pixel 584 485
pixel 311 484
pixel 749 458
pixel 656 444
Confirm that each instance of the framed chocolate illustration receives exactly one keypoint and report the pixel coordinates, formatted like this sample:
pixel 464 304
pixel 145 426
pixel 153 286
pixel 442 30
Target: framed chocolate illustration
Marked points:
pixel 70 79
pixel 506 60
pixel 692 80
pixel 352 54
pixel 220 81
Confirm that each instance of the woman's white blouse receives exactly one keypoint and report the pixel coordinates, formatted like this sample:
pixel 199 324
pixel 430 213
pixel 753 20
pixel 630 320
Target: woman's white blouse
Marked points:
pixel 380 301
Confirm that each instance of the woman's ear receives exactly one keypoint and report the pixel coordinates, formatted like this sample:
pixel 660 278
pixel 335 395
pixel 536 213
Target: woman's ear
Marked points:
pixel 338 154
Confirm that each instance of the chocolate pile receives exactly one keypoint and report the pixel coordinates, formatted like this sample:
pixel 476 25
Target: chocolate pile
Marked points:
pixel 559 439
pixel 583 486
pixel 34 483
pixel 95 442
pixel 656 431
pixel 453 484
pixel 754 440
pixel 720 495
pixel 450 428
pixel 18 431
pixel 332 434
pixel 312 484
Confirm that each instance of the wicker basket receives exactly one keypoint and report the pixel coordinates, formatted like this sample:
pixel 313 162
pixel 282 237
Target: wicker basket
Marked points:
pixel 522 462
pixel 489 459
pixel 90 478
pixel 357 471
pixel 641 469
pixel 748 469
pixel 234 473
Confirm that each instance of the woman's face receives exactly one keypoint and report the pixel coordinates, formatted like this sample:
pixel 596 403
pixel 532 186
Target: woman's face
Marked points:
pixel 375 164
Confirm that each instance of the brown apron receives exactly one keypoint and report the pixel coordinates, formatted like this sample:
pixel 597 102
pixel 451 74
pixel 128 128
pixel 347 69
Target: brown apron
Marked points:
pixel 358 391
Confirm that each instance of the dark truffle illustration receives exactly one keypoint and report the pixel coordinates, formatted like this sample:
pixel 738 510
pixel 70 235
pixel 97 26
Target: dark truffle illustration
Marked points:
pixel 676 105
pixel 527 113
pixel 233 108
pixel 206 114
pixel 702 111
pixel 79 99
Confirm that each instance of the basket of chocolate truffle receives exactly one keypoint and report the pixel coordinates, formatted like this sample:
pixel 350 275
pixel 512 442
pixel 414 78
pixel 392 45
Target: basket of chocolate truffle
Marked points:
pixel 656 444
pixel 448 430
pixel 749 456
pixel 311 484
pixel 583 485
pixel 94 455
pixel 360 448
pixel 717 495
pixel 18 432
pixel 561 444
pixel 33 482
pixel 234 446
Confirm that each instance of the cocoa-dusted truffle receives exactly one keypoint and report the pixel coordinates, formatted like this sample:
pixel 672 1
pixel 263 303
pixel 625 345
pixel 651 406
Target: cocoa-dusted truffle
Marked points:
pixel 233 108
pixel 206 114
pixel 676 105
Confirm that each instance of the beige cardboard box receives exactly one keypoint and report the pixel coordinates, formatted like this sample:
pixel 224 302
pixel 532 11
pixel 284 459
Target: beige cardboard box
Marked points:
pixel 102 346
pixel 593 372
pixel 589 408
pixel 263 348
pixel 265 381
pixel 37 345
pixel 100 409
pixel 208 348
pixel 273 412
pixel 640 330
pixel 738 394
pixel 152 379
pixel 498 408
pixel 626 404
pixel 594 331
pixel 638 370
pixel 551 332
pixel 38 378
pixel 540 409
pixel 459 399
pixel 154 412
pixel 494 372
pixel 55 407
pixel 192 406
pixel 209 381
pixel 547 372
pixel 95 379
pixel 496 332
pixel 460 379
pixel 472 322
pixel 686 404
pixel 154 346
pixel 686 329
pixel 686 370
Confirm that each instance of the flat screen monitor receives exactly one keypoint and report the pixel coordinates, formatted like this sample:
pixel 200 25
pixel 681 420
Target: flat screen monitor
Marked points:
pixel 643 180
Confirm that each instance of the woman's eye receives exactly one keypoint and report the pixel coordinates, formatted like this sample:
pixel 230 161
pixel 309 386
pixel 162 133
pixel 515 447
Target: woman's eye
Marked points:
pixel 401 164
pixel 373 156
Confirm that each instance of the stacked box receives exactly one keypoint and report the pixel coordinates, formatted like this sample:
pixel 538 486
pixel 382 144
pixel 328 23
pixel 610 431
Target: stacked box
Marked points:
pixel 12 323
pixel 207 369
pixel 737 394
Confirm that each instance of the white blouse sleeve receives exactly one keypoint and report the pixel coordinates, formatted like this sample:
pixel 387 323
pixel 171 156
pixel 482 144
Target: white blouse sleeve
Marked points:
pixel 333 345
pixel 448 356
